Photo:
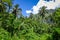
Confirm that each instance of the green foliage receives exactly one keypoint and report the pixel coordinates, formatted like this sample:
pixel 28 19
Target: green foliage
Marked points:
pixel 56 17
pixel 34 27
pixel 4 35
pixel 57 30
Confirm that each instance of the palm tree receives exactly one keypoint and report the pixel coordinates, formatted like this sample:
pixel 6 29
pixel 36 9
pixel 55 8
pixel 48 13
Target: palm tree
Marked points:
pixel 4 4
pixel 16 10
pixel 42 11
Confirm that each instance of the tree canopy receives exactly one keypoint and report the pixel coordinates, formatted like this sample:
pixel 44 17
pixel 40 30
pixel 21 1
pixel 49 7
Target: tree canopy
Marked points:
pixel 34 27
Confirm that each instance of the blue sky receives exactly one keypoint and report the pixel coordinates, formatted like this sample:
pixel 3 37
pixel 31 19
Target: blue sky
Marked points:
pixel 33 6
pixel 26 5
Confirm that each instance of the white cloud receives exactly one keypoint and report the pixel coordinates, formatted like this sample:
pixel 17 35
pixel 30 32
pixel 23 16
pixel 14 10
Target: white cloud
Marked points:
pixel 49 5
pixel 28 11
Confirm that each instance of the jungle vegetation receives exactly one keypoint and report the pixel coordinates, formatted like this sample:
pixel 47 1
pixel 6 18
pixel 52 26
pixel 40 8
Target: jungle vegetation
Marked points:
pixel 42 26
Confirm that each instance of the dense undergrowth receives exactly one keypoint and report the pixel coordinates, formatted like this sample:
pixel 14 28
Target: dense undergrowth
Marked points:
pixel 34 27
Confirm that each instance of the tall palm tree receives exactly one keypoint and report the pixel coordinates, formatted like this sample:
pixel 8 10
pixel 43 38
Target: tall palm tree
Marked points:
pixel 42 11
pixel 4 4
pixel 9 3
pixel 16 10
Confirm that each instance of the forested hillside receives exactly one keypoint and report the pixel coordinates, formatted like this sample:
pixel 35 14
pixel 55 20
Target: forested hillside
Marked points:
pixel 41 26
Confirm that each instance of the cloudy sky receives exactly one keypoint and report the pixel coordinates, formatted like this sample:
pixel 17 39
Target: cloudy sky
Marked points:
pixel 32 6
pixel 26 5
